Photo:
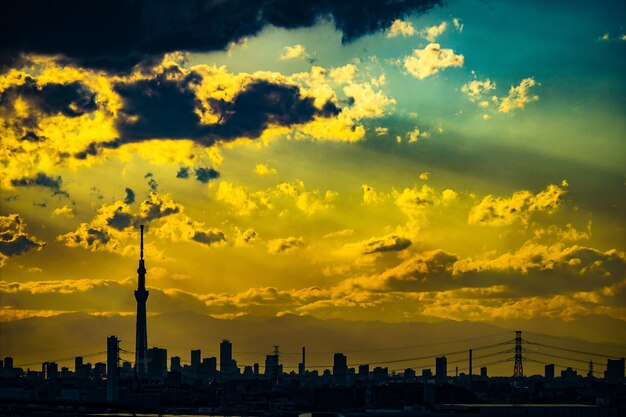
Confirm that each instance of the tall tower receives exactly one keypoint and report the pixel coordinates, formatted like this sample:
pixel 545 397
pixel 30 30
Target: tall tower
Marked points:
pixel 518 369
pixel 141 336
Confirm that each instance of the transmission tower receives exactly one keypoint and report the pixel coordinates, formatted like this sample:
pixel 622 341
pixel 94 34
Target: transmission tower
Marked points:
pixel 518 369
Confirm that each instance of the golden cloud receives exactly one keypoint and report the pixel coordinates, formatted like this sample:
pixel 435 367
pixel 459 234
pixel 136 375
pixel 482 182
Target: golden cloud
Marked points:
pixel 430 60
pixel 499 211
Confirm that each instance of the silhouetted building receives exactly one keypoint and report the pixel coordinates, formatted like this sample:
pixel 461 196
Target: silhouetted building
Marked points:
pixel 441 369
pixel 78 364
pixel 614 373
pixel 273 369
pixel 569 373
pixel 427 373
pixel 196 356
pixel 112 369
pixel 483 372
pixel 380 374
pixel 8 362
pixel 50 370
pixel 256 368
pixel 99 370
pixel 208 368
pixel 340 368
pixel 227 365
pixel 175 364
pixel 157 363
pixel 364 372
pixel 549 372
pixel 409 373
pixel 141 329
pixel 302 365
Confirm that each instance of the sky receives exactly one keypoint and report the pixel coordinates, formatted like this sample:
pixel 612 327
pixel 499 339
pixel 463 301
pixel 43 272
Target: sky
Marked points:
pixel 371 160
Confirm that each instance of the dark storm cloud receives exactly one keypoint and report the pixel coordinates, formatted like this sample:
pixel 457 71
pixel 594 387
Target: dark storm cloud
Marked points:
pixel 116 35
pixel 13 238
pixel 120 220
pixel 42 180
pixel 71 99
pixel 206 174
pixel 262 103
pixel 164 107
pixel 130 196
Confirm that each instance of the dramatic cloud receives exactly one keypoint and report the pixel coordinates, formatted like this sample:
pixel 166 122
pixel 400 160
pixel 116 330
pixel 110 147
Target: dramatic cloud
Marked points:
pixel 113 229
pixel 166 107
pixel 428 61
pixel 13 238
pixel 144 29
pixel 41 180
pixel 498 211
pixel 71 100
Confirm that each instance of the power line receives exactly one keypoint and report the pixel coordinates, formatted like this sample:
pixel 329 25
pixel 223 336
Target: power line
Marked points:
pixel 88 355
pixel 559 356
pixel 560 365
pixel 572 350
pixel 447 342
pixel 605 345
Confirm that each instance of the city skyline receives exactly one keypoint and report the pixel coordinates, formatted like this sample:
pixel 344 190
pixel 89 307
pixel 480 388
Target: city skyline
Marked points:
pixel 392 163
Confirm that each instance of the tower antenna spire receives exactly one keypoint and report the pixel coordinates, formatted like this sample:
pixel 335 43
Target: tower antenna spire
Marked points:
pixel 141 336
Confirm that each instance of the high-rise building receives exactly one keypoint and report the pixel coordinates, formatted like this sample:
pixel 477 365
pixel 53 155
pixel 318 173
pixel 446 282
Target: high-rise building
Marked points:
pixel 208 368
pixel 549 372
pixel 113 359
pixel 614 373
pixel 141 330
pixel 175 364
pixel 227 365
pixel 340 368
pixel 273 369
pixel 78 364
pixel 441 369
pixel 302 365
pixel 50 370
pixel 483 372
pixel 196 356
pixel 157 363
pixel 364 372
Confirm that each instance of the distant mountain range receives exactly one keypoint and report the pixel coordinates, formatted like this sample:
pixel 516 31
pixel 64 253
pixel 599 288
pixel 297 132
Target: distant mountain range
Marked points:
pixel 33 340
